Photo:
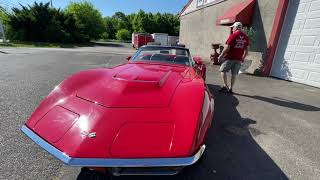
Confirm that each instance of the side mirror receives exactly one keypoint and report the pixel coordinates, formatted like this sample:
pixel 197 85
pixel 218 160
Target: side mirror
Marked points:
pixel 198 60
pixel 128 58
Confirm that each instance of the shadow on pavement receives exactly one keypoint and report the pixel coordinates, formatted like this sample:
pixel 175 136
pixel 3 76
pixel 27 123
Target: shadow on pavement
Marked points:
pixel 284 103
pixel 3 52
pixel 231 152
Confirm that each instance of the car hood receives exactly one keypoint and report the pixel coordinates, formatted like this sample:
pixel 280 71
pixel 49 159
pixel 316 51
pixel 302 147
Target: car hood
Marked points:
pixel 134 85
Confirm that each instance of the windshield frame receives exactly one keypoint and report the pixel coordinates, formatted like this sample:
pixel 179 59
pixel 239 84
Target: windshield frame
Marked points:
pixel 133 59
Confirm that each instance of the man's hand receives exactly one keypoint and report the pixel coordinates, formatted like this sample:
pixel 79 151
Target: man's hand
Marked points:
pixel 220 58
pixel 245 53
pixel 225 51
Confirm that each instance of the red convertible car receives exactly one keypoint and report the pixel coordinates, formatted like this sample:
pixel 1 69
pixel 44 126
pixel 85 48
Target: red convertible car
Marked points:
pixel 149 116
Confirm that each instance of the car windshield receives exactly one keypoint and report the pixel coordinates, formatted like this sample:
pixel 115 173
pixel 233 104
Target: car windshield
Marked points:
pixel 170 55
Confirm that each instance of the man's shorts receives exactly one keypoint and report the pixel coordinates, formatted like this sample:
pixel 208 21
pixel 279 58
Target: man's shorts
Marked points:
pixel 233 65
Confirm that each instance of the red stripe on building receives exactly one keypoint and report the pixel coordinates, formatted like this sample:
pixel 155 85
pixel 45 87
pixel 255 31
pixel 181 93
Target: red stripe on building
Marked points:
pixel 275 35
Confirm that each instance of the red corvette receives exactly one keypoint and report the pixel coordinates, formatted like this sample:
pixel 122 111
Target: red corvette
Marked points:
pixel 148 116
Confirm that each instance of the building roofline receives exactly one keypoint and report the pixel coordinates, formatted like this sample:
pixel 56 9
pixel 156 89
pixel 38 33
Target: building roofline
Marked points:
pixel 185 7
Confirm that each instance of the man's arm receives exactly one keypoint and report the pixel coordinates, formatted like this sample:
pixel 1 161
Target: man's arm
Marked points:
pixel 226 49
pixel 245 53
pixel 224 52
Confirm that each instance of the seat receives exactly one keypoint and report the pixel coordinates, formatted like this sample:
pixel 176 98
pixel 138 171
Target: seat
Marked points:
pixel 160 57
pixel 182 60
pixel 146 57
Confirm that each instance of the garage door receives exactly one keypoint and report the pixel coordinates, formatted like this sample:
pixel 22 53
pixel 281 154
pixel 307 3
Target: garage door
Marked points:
pixel 298 54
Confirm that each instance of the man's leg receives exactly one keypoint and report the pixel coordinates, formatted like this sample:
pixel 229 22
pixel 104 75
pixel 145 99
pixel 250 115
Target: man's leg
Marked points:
pixel 233 80
pixel 224 68
pixel 224 79
pixel 234 71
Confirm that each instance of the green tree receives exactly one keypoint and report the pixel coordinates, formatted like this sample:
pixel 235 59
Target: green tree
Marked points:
pixel 3 19
pixel 41 23
pixel 130 18
pixel 142 22
pixel 150 24
pixel 156 23
pixel 160 23
pixel 88 19
pixel 104 36
pixel 3 14
pixel 121 21
pixel 139 22
pixel 109 28
pixel 251 34
pixel 171 24
pixel 123 34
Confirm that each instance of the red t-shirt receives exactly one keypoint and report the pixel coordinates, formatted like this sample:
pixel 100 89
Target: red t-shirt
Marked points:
pixel 238 42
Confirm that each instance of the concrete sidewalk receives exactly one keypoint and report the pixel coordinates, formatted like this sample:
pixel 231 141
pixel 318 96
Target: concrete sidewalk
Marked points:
pixel 270 129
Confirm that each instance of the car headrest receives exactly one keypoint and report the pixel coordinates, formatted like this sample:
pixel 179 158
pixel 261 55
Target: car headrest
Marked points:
pixel 182 60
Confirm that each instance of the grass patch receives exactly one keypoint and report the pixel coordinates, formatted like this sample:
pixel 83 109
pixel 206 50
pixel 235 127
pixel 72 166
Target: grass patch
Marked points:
pixel 114 40
pixel 29 44
pixel 45 44
pixel 18 44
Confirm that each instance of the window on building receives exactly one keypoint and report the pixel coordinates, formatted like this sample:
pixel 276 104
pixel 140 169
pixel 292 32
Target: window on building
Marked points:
pixel 200 3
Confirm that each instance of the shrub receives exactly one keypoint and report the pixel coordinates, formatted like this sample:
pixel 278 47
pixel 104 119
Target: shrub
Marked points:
pixel 123 34
pixel 41 23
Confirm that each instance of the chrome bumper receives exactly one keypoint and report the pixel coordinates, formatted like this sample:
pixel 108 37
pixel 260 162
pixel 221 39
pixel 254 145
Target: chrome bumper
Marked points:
pixel 96 162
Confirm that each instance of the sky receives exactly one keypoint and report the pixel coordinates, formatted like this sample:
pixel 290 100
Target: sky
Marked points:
pixel 109 7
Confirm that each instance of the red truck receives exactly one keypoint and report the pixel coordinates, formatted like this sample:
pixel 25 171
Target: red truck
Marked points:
pixel 141 39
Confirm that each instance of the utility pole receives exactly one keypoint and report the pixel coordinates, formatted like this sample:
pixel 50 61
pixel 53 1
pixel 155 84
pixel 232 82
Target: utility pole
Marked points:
pixel 51 3
pixel 2 33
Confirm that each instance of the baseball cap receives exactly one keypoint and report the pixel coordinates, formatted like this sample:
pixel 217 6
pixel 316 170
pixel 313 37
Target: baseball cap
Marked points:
pixel 237 24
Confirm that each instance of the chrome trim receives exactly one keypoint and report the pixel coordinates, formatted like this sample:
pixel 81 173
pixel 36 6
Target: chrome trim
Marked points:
pixel 48 147
pixel 95 162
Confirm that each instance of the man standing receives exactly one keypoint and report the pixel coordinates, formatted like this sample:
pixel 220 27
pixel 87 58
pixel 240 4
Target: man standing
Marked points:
pixel 233 54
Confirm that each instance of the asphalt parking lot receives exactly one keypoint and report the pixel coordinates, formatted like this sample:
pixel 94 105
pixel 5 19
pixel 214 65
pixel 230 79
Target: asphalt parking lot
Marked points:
pixel 269 129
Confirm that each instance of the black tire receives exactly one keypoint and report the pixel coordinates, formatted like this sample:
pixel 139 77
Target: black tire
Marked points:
pixel 87 174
